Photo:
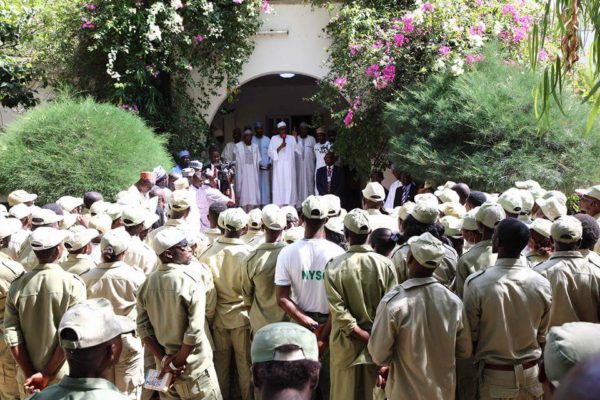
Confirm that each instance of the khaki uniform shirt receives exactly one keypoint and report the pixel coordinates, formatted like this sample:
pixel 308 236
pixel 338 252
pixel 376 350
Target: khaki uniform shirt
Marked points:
pixel 575 287
pixel 597 246
pixel 253 237
pixel 17 244
pixel 419 330
pixel 36 302
pixel 378 220
pixel 141 256
pixel 81 389
pixel 225 259
pixel 212 234
pixel 170 306
pixel 355 283
pixel 9 271
pixel 533 258
pixel 117 282
pixel 258 285
pixel 508 306
pixel 479 257
pixel 445 272
pixel 78 263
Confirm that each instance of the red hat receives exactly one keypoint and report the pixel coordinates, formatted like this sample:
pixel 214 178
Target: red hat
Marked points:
pixel 148 176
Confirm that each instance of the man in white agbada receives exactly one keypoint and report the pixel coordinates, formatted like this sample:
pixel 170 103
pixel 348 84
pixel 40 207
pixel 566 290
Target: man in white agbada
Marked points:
pixel 247 155
pixel 282 151
pixel 264 173
pixel 305 164
pixel 206 196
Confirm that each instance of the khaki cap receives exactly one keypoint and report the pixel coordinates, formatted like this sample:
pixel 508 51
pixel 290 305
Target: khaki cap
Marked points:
pixel 20 196
pixel 568 345
pixel 527 185
pixel 426 213
pixel 43 216
pixel 20 211
pixel 114 211
pixel 542 226
pixel 315 207
pixel 118 239
pixel 79 239
pixel 446 185
pixel 273 217
pixel 566 229
pixel 374 192
pixel 133 215
pixel 336 224
pixel 269 339
pixel 489 214
pixel 94 322
pixel 334 205
pixel 150 219
pixel 287 210
pixel 426 198
pixel 181 200
pixel 99 207
pixel 527 200
pixel 101 222
pixel 44 238
pixel 427 250
pixel 552 207
pixel 255 217
pixel 235 219
pixel 452 226
pixel 405 210
pixel 469 222
pixel 447 195
pixel 221 220
pixel 181 184
pixel 593 191
pixel 167 238
pixel 556 193
pixel 357 221
pixel 453 209
pixel 68 220
pixel 511 201
pixel 9 226
pixel 293 234
pixel 69 203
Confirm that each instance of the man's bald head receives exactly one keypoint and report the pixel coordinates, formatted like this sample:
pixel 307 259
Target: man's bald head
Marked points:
pixel 90 198
pixel 463 191
pixel 581 383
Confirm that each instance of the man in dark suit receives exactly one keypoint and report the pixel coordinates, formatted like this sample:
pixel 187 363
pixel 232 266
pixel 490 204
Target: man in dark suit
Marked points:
pixel 330 178
pixel 407 191
pixel 212 170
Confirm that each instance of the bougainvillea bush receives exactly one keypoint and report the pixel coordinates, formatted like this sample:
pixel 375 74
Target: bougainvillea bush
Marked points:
pixel 381 47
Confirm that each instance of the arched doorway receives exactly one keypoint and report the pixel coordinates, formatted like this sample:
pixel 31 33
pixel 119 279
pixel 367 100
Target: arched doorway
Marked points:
pixel 270 98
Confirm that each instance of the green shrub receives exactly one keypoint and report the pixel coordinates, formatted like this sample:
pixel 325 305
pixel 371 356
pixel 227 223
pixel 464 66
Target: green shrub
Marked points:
pixel 481 128
pixel 73 146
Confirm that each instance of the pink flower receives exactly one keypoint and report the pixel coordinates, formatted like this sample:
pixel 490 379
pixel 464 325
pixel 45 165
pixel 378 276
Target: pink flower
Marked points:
pixel 354 49
pixel 408 24
pixel 509 9
pixel 198 39
pixel 189 67
pixel 518 35
pixel 444 51
pixel 389 73
pixel 373 70
pixel 472 59
pixel 400 39
pixel 348 118
pixel 265 6
pixel 238 1
pixel 377 45
pixel 427 7
pixel 340 82
pixel 543 55
pixel 90 7
pixel 477 29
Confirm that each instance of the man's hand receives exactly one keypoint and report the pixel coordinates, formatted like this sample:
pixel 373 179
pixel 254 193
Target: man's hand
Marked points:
pixel 166 367
pixel 36 382
pixel 382 375
pixel 282 146
pixel 309 323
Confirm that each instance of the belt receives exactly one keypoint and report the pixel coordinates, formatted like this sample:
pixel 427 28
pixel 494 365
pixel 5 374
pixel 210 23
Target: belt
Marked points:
pixel 498 367
pixel 316 314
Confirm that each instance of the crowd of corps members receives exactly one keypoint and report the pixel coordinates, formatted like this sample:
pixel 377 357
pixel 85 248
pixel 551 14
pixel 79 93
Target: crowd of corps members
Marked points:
pixel 453 294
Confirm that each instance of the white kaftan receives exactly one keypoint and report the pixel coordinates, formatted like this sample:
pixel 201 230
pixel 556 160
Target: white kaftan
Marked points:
pixel 305 168
pixel 284 170
pixel 246 177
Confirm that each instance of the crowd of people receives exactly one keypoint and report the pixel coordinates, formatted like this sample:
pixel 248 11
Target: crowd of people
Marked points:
pixel 419 294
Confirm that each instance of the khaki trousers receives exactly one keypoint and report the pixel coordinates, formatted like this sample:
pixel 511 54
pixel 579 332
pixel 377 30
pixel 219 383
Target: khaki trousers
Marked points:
pixel 128 374
pixel 9 389
pixel 519 384
pixel 233 345
pixel 205 387
pixel 353 383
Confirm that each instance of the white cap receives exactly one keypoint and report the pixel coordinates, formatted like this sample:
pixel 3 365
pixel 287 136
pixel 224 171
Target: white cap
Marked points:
pixel 333 204
pixel 511 201
pixel 447 195
pixel 374 192
pixel 426 213
pixel 453 209
pixel 293 234
pixel 527 185
pixel 20 196
pixel 101 222
pixel 44 238
pixel 9 226
pixel 43 216
pixel 134 215
pixel 452 226
pixel 150 219
pixel 167 238
pixel 469 222
pixel 234 219
pixel 336 224
pixel 593 192
pixel 181 183
pixel 426 198
pixel 80 238
pixel 405 210
pixel 20 211
pixel 489 214
pixel 114 211
pixel 315 207
pixel 255 216
pixel 357 221
pixel 566 229
pixel 94 322
pixel 527 200
pixel 552 207
pixel 427 250
pixel 99 207
pixel 289 210
pixel 181 200
pixel 125 198
pixel 274 217
pixel 281 124
pixel 542 226
pixel 118 239
pixel 69 203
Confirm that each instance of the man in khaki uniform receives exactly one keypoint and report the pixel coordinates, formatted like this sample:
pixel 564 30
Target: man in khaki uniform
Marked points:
pixel 575 281
pixel 18 240
pixel 255 234
pixel 480 256
pixel 421 219
pixel 231 327
pixel 590 203
pixel 139 254
pixel 79 245
pixel 214 212
pixel 373 199
pixel 540 243
pixel 355 282
pixel 508 306
pixel 119 283
pixel 40 217
pixel 9 271
pixel 420 329
pixel 170 320
pixel 258 284
pixel 90 334
pixel 36 302
pixel 589 238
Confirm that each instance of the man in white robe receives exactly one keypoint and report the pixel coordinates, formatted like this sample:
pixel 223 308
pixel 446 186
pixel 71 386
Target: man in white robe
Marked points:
pixel 305 165
pixel 283 150
pixel 247 155
pixel 228 154
pixel 264 173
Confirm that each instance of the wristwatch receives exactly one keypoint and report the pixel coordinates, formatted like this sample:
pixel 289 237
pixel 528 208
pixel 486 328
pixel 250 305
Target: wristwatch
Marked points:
pixel 172 366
